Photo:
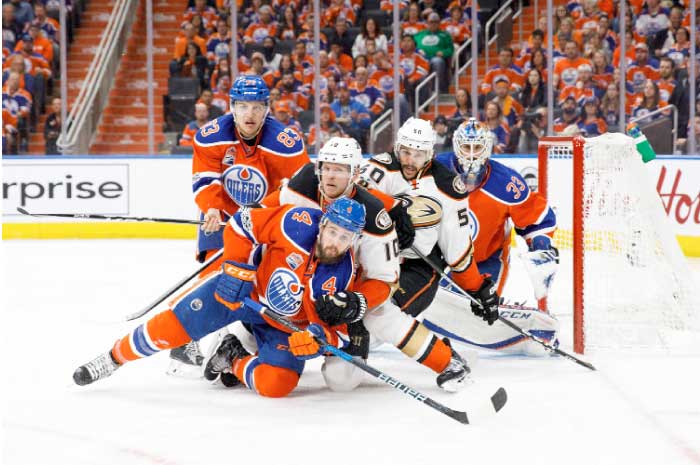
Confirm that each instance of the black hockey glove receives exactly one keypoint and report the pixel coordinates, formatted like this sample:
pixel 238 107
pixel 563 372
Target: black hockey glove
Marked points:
pixel 359 340
pixel 403 225
pixel 487 295
pixel 342 307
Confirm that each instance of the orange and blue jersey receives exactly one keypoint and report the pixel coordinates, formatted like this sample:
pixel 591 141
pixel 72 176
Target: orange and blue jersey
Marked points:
pixel 503 195
pixel 227 173
pixel 592 128
pixel 289 280
pixel 188 133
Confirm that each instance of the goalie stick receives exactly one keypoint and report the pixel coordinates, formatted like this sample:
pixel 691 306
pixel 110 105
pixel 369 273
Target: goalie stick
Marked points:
pixel 505 321
pixel 495 402
pixel 89 216
pixel 175 287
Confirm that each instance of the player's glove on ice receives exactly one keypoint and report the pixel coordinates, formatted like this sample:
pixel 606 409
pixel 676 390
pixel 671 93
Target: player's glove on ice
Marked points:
pixel 235 283
pixel 403 225
pixel 341 307
pixel 359 340
pixel 304 345
pixel 487 295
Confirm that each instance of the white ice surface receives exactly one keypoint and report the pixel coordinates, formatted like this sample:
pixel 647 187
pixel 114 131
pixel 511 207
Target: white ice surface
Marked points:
pixel 61 306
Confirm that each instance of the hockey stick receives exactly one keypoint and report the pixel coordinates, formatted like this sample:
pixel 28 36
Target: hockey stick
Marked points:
pixel 88 216
pixel 175 287
pixel 497 400
pixel 505 321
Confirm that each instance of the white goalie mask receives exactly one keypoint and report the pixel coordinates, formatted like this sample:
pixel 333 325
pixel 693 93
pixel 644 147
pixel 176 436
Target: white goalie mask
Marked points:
pixel 341 151
pixel 416 134
pixel 472 144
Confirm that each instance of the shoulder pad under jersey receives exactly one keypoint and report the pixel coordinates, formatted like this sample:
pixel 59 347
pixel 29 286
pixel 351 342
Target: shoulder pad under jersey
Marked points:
pixel 217 131
pixel 387 160
pixel 300 226
pixel 505 184
pixel 305 182
pixel 377 220
pixel 280 139
pixel 447 181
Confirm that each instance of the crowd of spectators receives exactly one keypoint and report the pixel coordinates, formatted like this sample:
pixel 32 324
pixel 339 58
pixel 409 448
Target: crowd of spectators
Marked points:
pixel 276 41
pixel 30 66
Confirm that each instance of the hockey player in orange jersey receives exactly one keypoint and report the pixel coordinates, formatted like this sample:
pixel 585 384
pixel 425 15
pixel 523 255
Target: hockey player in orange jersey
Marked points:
pixel 238 159
pixel 499 198
pixel 335 174
pixel 307 255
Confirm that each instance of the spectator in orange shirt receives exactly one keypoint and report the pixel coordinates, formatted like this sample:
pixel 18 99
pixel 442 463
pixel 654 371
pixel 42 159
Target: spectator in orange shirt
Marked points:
pixel 293 89
pixel 667 82
pixel 535 43
pixel 201 117
pixel 189 35
pixel 42 45
pixel 504 68
pixel 512 109
pixel 414 67
pixel 256 32
pixel 589 16
pixel 337 9
pixel 283 113
pixel 456 25
pixel 412 23
pixel 193 64
pixel 566 69
pixel 642 68
pixel 339 58
pixel 207 14
pixel 258 68
pixel 303 62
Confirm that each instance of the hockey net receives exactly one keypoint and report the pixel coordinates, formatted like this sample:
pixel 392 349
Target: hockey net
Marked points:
pixel 622 273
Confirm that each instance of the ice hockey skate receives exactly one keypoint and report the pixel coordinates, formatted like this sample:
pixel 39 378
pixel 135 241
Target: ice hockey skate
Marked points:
pixel 101 367
pixel 186 361
pixel 457 374
pixel 217 367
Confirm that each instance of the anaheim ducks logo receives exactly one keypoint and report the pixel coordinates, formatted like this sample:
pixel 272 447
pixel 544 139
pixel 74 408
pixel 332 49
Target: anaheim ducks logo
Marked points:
pixel 284 292
pixel 424 211
pixel 246 185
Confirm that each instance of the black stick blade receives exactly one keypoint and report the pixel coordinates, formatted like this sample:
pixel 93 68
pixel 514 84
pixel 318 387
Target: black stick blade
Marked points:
pixel 23 211
pixel 499 399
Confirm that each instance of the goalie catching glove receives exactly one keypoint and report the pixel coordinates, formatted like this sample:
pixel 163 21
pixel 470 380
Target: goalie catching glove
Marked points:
pixel 541 263
pixel 341 308
pixel 305 344
pixel 235 283
pixel 487 295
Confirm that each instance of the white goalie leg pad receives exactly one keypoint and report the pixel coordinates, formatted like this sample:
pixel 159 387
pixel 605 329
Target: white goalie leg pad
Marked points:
pixel 450 315
pixel 340 375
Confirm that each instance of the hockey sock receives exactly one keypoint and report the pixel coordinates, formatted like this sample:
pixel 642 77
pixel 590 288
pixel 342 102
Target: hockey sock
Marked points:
pixel 163 331
pixel 266 380
pixel 423 346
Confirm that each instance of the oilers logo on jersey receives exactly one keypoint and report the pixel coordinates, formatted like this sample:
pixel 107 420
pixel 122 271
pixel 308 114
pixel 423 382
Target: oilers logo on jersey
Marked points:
pixel 284 292
pixel 246 185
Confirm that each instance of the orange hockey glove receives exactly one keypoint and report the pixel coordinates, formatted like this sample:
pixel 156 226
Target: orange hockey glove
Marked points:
pixel 304 344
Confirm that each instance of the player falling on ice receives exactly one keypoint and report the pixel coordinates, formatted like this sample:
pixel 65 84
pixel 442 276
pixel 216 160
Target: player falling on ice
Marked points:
pixel 308 254
pixel 239 158
pixel 316 185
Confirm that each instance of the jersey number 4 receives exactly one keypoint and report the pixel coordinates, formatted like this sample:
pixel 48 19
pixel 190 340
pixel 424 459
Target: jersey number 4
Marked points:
pixel 302 217
pixel 329 286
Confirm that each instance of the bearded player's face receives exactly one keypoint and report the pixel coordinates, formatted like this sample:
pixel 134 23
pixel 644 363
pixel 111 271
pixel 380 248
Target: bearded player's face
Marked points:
pixel 333 241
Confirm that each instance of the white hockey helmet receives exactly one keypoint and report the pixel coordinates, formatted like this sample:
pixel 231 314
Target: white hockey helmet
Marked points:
pixel 473 145
pixel 417 134
pixel 343 151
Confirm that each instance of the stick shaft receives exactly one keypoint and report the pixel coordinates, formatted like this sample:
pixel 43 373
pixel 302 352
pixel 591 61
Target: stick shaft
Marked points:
pixel 393 382
pixel 175 287
pixel 89 216
pixel 505 321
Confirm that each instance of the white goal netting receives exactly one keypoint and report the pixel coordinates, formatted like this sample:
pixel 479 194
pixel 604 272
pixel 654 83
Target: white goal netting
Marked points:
pixel 637 291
